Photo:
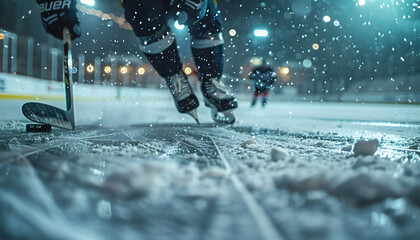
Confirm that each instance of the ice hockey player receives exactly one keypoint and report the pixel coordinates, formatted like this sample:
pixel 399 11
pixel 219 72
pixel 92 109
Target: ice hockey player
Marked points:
pixel 149 20
pixel 264 77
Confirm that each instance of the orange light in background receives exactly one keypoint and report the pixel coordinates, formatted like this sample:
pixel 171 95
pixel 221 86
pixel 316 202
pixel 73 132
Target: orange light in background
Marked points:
pixel 108 69
pixel 315 46
pixel 284 70
pixel 188 70
pixel 90 68
pixel 1 36
pixel 124 70
pixel 141 71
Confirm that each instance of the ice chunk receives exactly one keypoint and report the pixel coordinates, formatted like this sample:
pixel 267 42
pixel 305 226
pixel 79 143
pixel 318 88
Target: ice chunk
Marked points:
pixel 304 180
pixel 247 143
pixel 279 154
pixel 366 147
pixel 254 181
pixel 139 179
pixel 368 187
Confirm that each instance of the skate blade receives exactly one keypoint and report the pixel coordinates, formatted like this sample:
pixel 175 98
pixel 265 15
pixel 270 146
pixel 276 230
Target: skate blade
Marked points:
pixel 193 114
pixel 224 117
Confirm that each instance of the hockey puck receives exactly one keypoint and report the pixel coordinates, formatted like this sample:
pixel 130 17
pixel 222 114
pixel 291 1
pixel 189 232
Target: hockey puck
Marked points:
pixel 38 128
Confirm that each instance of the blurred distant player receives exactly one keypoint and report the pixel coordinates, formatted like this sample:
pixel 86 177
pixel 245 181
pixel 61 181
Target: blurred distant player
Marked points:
pixel 264 77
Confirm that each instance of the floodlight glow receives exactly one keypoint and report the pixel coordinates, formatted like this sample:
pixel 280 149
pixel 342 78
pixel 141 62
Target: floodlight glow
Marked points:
pixel 326 18
pixel 90 68
pixel 124 70
pixel 284 70
pixel 232 32
pixel 188 70
pixel 179 26
pixel 108 69
pixel 1 36
pixel 256 61
pixel 315 46
pixel 361 2
pixel 88 2
pixel 141 71
pixel 260 33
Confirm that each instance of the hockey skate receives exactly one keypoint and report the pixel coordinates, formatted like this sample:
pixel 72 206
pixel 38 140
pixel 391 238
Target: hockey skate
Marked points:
pixel 184 97
pixel 217 96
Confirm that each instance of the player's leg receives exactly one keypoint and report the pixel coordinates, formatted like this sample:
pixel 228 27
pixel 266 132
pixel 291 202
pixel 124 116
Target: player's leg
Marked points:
pixel 208 50
pixel 254 98
pixel 264 98
pixel 157 42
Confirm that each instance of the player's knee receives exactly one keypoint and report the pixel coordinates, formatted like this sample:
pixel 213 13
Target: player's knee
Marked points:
pixel 157 43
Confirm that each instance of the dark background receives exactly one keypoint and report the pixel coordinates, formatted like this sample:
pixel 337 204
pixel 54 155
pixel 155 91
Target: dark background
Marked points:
pixel 377 40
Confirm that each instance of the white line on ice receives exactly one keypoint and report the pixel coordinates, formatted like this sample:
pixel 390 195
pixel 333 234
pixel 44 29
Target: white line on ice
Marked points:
pixel 267 229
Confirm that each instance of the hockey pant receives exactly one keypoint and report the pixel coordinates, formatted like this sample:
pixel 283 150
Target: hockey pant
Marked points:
pixel 149 20
pixel 264 98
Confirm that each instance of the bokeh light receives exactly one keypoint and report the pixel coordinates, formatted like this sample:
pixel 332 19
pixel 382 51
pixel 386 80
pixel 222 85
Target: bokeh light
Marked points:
pixel 107 69
pixel 284 70
pixel 90 68
pixel 188 70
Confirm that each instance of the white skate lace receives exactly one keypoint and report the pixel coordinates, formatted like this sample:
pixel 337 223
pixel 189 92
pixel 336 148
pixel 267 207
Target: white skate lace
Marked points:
pixel 179 86
pixel 217 89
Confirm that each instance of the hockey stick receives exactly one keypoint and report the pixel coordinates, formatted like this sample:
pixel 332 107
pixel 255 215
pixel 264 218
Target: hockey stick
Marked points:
pixel 50 115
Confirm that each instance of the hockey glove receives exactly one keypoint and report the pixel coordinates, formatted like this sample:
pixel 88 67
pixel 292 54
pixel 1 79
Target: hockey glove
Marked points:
pixel 189 11
pixel 59 14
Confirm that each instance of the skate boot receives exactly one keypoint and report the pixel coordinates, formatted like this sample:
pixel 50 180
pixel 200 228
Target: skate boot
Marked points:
pixel 184 97
pixel 218 97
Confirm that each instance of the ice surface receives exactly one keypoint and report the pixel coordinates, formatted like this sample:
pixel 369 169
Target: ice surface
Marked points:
pixel 364 161
pixel 249 144
pixel 347 148
pixel 156 174
pixel 12 126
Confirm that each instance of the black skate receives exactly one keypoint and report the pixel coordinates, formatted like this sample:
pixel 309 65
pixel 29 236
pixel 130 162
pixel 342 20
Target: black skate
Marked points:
pixel 184 97
pixel 220 100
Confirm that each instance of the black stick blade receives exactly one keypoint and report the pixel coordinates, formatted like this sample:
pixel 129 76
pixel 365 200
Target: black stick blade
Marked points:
pixel 46 114
pixel 38 128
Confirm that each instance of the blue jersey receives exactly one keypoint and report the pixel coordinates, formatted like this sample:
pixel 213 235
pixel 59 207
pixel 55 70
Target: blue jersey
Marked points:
pixel 264 78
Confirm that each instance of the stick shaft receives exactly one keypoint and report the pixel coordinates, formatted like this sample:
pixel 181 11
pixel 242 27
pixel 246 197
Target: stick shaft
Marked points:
pixel 68 78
